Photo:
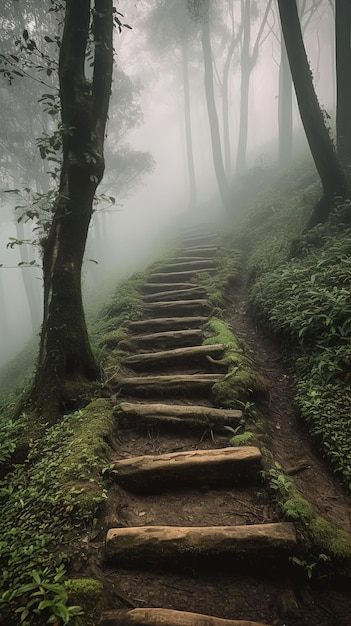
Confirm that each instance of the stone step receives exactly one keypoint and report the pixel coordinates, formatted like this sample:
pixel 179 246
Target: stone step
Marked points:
pixel 191 468
pixel 181 384
pixel 171 277
pixel 173 307
pixel 183 415
pixel 169 358
pixel 169 339
pixel 168 323
pixel 149 288
pixel 181 266
pixel 179 546
pixel 167 617
pixel 176 294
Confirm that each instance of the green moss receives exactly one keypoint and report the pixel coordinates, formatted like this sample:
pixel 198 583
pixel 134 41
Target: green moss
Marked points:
pixel 323 536
pixel 241 440
pixel 83 462
pixel 240 382
pixel 329 539
pixel 296 507
pixel 229 263
pixel 86 593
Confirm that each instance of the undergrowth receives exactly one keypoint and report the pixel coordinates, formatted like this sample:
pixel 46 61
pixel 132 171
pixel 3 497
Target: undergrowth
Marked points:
pixel 46 502
pixel 326 542
pixel 306 303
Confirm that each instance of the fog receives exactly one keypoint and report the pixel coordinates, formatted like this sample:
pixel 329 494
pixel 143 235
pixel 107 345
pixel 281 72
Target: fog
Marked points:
pixel 146 119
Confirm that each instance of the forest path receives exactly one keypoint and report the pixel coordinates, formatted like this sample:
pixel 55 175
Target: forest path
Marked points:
pixel 192 534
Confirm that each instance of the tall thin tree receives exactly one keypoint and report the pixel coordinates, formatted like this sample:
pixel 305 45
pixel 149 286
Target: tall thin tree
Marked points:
pixel 327 163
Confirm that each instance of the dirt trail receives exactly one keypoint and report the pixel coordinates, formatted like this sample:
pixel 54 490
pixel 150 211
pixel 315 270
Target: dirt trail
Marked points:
pixel 193 532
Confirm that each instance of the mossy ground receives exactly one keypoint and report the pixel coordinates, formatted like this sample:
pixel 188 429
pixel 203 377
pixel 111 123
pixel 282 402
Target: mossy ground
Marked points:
pixel 241 383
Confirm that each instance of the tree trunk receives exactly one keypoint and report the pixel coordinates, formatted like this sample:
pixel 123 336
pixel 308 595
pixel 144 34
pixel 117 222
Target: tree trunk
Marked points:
pixel 244 90
pixel 285 109
pixel 248 62
pixel 65 357
pixel 225 92
pixel 188 133
pixel 223 186
pixel 343 81
pixel 328 166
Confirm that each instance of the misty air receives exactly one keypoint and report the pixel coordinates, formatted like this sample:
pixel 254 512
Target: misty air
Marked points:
pixel 175 313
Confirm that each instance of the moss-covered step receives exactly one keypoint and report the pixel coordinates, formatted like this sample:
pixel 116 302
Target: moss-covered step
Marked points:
pixel 177 384
pixel 169 339
pixel 176 294
pixel 167 617
pixel 178 415
pixel 181 307
pixel 164 324
pixel 179 546
pixel 169 358
pixel 175 277
pixel 221 466
pixel 183 266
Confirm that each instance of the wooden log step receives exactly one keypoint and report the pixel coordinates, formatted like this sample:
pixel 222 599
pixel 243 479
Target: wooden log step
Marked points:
pixel 176 294
pixel 198 240
pixel 181 266
pixel 173 307
pixel 176 546
pixel 182 384
pixel 184 415
pixel 170 339
pixel 223 466
pixel 199 251
pixel 160 277
pixel 189 354
pixel 167 617
pixel 148 288
pixel 181 258
pixel 168 323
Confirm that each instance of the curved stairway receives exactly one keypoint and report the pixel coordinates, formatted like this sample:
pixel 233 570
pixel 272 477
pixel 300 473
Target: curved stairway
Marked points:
pixel 168 390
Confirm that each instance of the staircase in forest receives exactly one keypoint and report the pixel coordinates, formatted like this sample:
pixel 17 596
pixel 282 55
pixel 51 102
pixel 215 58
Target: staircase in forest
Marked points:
pixel 191 535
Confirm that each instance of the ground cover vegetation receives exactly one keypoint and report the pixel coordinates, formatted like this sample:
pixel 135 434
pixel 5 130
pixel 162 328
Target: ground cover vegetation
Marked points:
pixel 300 294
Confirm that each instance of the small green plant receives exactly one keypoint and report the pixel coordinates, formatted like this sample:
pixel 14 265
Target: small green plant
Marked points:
pixel 278 481
pixel 45 596
pixel 309 566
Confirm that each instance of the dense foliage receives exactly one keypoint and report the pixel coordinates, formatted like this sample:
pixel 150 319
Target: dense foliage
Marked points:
pixel 300 294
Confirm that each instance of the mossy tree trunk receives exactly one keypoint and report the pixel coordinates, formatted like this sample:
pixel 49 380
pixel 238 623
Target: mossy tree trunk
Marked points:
pixel 327 163
pixel 66 360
